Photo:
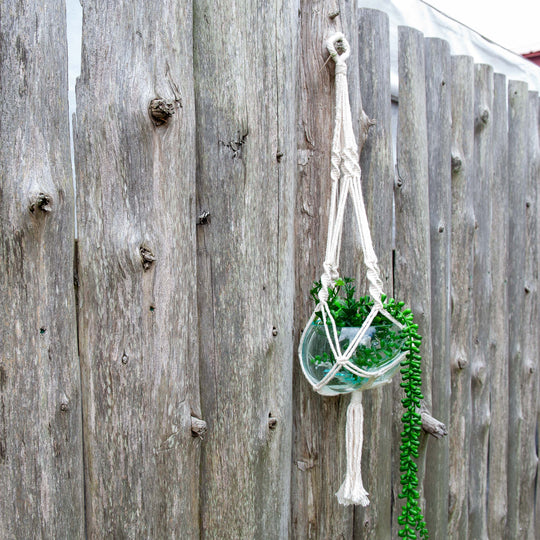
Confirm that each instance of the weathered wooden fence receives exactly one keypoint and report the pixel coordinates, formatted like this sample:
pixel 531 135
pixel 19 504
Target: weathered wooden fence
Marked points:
pixel 199 235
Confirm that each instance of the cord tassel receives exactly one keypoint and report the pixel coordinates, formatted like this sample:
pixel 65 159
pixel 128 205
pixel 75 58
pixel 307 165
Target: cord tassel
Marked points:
pixel 352 490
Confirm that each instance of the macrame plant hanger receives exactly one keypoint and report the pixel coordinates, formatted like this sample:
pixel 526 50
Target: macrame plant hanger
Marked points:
pixel 382 337
pixel 345 176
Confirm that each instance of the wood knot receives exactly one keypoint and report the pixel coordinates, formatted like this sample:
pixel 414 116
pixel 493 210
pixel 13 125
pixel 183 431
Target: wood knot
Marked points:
pixel 272 422
pixel 274 331
pixel 147 257
pixel 204 218
pixel 456 163
pixel 333 14
pixel 41 201
pixel 3 377
pixel 461 362
pixel 161 110
pixel 125 359
pixel 279 155
pixel 64 407
pixel 198 427
pixel 484 116
pixel 441 228
pixel 306 464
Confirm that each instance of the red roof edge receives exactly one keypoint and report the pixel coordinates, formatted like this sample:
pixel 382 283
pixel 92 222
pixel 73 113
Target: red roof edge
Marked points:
pixel 533 57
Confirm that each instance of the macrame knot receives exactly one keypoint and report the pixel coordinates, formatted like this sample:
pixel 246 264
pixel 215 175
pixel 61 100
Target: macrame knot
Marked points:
pixel 323 294
pixel 341 68
pixel 328 279
pixel 331 270
pixel 341 360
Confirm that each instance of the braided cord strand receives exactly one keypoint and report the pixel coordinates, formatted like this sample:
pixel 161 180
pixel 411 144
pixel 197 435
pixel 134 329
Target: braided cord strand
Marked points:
pixel 345 168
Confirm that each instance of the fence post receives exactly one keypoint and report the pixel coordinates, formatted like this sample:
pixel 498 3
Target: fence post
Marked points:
pixel 245 59
pixel 41 479
pixel 518 169
pixel 318 451
pixel 528 459
pixel 498 320
pixel 135 153
pixel 439 128
pixel 412 276
pixel 460 296
pixel 481 300
pixel 377 163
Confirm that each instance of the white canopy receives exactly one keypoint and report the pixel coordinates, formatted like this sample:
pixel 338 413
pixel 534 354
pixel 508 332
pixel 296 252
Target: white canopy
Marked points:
pixel 462 39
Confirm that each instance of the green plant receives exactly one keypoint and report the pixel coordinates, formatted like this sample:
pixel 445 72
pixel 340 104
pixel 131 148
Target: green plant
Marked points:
pixel 411 518
pixel 348 311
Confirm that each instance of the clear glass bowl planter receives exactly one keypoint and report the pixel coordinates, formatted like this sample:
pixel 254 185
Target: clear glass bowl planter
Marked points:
pixel 378 356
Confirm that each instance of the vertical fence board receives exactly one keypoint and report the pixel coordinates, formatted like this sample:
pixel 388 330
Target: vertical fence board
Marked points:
pixel 40 426
pixel 481 295
pixel 498 319
pixel 377 166
pixel 318 456
pixel 528 458
pixel 518 171
pixel 439 122
pixel 245 64
pixel 137 299
pixel 460 295
pixel 412 282
pixel 537 494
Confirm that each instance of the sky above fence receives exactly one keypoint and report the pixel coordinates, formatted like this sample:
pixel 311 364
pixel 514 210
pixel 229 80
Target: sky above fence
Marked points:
pixel 515 28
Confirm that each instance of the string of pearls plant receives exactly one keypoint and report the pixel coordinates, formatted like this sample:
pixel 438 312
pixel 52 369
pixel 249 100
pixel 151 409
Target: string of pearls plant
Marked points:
pixel 348 311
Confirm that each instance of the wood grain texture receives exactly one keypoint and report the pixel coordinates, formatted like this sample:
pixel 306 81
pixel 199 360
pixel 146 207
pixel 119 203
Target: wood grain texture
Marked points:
pixel 439 129
pixel 377 166
pixel 518 171
pixel 412 283
pixel 481 300
pixel 245 76
pixel 137 295
pixel 498 320
pixel 528 458
pixel 460 295
pixel 41 473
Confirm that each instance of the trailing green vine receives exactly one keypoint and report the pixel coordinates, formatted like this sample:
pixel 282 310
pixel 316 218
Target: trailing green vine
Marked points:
pixel 411 518
pixel 348 311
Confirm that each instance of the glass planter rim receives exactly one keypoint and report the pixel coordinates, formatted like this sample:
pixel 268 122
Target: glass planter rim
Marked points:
pixel 342 361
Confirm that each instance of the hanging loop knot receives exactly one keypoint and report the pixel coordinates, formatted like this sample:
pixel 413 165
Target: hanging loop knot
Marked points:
pixel 333 41
pixel 341 68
